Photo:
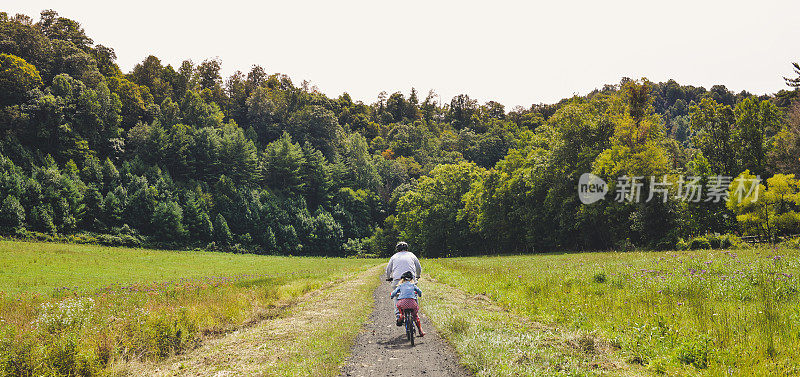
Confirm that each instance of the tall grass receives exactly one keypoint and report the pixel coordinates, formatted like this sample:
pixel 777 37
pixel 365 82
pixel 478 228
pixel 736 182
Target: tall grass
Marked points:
pixel 83 320
pixel 495 342
pixel 680 313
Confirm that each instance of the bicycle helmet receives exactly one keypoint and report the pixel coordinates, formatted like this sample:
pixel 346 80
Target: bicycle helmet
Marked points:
pixel 401 246
pixel 408 275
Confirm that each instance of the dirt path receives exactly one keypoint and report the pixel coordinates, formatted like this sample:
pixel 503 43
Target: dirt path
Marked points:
pixel 381 349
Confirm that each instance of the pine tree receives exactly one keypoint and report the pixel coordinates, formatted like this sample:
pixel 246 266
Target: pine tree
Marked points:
pixel 222 234
pixel 198 223
pixel 168 222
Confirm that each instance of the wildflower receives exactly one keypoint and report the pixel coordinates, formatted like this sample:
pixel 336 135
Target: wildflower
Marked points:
pixel 65 314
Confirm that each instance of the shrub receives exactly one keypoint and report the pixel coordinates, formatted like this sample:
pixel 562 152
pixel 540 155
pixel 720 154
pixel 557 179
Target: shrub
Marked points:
pixel 356 247
pixel 699 243
pixel 666 243
pixel 130 241
pixel 625 245
pixel 237 249
pixel 81 238
pixel 119 240
pixel 728 241
pixel 17 356
pixel 658 366
pixel 600 277
pixel 793 243
pixel 694 353
pixel 715 242
pixel 87 363
pixel 168 333
pixel 60 355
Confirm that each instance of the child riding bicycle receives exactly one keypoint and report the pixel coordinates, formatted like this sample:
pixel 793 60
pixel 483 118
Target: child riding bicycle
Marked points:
pixel 407 293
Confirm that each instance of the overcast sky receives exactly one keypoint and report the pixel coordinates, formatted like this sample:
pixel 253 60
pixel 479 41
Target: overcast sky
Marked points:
pixel 517 53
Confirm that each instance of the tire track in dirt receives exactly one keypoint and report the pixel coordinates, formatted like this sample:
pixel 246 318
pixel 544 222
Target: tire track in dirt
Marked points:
pixel 381 349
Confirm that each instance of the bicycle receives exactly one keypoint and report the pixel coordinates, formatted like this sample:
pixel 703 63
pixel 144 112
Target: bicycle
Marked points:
pixel 408 320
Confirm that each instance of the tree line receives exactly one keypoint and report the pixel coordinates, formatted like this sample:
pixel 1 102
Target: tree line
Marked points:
pixel 181 157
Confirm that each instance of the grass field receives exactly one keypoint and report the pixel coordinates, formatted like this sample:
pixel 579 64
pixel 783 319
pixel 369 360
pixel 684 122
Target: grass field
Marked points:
pixel 493 341
pixel 711 312
pixel 77 309
pixel 89 310
pixel 32 267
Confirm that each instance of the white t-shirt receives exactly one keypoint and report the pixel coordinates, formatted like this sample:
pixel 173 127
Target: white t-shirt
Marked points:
pixel 401 262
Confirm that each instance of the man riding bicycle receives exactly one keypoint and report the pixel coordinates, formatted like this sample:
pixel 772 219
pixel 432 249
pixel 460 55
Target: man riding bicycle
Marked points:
pixel 401 262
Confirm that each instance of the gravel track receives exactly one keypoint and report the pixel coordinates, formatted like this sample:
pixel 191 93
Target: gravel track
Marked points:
pixel 381 348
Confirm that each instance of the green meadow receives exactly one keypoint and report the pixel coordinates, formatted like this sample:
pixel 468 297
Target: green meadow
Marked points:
pixel 35 267
pixel 81 310
pixel 91 310
pixel 677 313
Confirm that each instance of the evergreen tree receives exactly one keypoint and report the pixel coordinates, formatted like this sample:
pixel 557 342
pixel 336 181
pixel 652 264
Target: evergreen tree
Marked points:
pixel 222 234
pixel 168 222
pixel 198 222
pixel 281 164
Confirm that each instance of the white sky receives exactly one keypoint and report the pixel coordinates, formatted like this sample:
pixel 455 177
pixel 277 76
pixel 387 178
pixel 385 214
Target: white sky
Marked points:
pixel 517 53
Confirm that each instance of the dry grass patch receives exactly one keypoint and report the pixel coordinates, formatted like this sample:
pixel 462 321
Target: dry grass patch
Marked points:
pixel 312 338
pixel 114 305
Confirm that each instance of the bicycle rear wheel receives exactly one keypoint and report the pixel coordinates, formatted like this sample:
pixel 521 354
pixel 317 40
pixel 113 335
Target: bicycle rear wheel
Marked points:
pixel 409 322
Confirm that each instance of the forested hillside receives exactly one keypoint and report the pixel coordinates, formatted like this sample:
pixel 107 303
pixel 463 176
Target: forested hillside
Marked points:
pixel 181 156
